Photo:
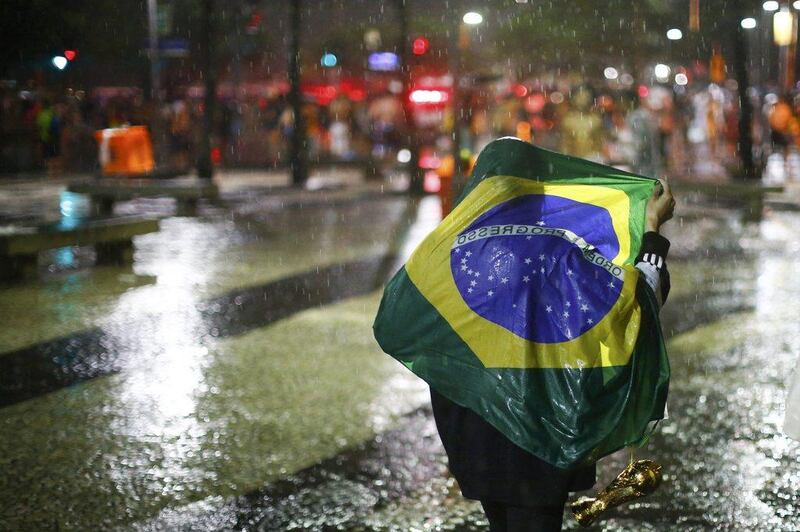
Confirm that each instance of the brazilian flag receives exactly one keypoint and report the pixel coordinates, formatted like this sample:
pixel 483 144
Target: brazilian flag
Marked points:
pixel 524 305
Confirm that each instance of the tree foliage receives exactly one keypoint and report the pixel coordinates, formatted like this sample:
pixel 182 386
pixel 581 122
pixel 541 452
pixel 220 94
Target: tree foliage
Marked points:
pixel 583 34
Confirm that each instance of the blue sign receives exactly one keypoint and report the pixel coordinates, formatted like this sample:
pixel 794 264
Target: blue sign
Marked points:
pixel 383 61
pixel 173 47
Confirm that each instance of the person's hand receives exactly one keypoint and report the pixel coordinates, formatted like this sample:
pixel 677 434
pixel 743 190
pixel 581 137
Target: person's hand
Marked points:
pixel 660 207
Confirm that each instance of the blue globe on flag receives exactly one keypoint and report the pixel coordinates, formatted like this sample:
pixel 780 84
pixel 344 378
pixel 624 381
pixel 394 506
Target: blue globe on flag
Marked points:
pixel 536 284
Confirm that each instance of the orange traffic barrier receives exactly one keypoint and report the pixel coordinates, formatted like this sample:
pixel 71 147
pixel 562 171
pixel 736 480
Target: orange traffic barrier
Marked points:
pixel 445 172
pixel 125 150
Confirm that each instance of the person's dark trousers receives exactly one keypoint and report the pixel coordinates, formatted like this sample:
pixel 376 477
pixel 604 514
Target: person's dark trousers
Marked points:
pixel 505 518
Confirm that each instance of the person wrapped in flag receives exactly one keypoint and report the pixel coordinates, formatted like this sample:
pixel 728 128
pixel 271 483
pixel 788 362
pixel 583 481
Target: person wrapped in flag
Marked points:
pixel 532 313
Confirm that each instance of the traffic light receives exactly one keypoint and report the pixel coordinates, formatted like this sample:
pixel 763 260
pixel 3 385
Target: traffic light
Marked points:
pixel 70 54
pixel 253 24
pixel 420 46
pixel 329 60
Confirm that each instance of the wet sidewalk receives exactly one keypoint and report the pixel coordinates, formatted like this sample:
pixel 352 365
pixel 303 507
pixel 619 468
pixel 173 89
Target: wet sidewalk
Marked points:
pixel 229 380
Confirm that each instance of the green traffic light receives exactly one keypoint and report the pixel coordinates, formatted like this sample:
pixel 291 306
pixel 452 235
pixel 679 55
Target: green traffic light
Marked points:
pixel 329 60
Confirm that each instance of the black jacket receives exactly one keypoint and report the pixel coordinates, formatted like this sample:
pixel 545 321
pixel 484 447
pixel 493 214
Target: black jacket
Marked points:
pixel 488 466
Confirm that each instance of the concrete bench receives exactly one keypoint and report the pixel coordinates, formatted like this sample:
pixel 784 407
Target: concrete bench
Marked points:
pixel 112 238
pixel 751 194
pixel 104 193
pixel 736 190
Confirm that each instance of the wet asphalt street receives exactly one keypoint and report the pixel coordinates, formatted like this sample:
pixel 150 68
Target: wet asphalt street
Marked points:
pixel 229 379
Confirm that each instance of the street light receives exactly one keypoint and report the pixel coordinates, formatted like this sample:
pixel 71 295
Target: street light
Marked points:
pixel 782 26
pixel 784 30
pixel 770 5
pixel 675 34
pixel 472 18
pixel 748 23
pixel 610 73
pixel 60 62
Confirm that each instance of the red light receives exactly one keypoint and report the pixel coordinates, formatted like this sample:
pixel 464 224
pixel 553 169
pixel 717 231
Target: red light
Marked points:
pixel 535 102
pixel 420 46
pixel 520 90
pixel 643 91
pixel 357 95
pixel 254 22
pixel 429 161
pixel 216 155
pixel 70 54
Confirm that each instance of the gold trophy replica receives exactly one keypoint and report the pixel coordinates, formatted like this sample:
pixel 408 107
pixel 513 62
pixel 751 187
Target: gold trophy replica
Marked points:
pixel 640 478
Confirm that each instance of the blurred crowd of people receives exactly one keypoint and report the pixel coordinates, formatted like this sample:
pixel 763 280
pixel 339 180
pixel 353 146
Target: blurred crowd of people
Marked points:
pixel 39 129
pixel 56 132
pixel 783 116
pixel 654 130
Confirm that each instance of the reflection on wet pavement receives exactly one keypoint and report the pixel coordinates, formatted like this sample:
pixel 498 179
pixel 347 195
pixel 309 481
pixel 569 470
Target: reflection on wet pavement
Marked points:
pixel 202 257
pixel 348 491
pixel 214 420
pixel 48 366
pixel 232 403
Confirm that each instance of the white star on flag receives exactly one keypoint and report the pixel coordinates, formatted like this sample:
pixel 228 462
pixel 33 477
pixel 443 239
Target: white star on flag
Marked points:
pixel 491 277
pixel 590 321
pixel 548 308
pixel 569 272
pixel 565 314
pixel 463 261
pixel 468 253
pixel 463 267
pixel 504 280
pixel 469 272
pixel 541 257
pixel 472 283
pixel 491 293
pixel 525 278
pixel 469 290
pixel 611 284
pixel 540 223
pixel 569 304
pixel 585 307
pixel 477 274
pixel 542 270
pixel 527 260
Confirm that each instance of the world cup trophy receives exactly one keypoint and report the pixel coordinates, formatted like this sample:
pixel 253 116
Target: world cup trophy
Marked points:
pixel 640 478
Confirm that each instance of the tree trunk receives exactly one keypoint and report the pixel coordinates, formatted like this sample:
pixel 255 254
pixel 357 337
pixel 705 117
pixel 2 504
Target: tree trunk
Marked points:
pixel 205 167
pixel 298 140
pixel 745 145
pixel 412 141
